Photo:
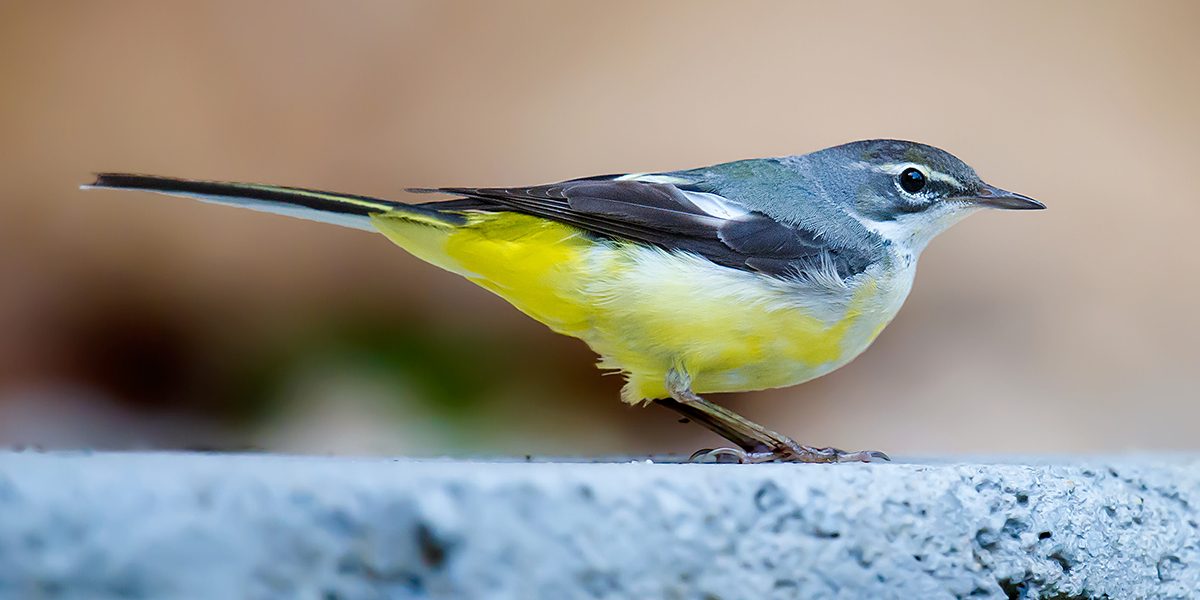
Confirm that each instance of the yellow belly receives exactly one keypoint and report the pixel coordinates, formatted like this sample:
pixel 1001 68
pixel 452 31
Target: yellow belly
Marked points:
pixel 646 310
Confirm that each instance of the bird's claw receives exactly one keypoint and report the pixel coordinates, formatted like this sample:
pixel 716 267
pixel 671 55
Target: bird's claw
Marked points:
pixel 716 455
pixel 792 452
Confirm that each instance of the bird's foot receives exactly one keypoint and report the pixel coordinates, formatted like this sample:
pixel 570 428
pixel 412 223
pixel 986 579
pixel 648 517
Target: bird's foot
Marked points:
pixel 757 444
pixel 791 452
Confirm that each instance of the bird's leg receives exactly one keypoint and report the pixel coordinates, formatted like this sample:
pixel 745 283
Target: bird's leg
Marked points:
pixel 756 443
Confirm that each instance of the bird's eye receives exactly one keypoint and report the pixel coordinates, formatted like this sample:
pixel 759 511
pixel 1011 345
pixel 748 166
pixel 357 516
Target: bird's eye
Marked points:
pixel 912 180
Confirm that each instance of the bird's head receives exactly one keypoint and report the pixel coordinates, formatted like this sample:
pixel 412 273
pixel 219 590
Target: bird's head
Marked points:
pixel 909 192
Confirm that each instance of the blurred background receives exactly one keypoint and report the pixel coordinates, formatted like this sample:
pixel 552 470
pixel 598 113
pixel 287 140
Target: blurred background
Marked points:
pixel 139 321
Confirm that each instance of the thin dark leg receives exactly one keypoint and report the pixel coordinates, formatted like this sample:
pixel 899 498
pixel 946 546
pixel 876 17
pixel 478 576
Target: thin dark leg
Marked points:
pixel 756 443
pixel 723 422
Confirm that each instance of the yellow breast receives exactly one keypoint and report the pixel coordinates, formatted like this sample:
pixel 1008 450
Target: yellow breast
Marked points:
pixel 646 310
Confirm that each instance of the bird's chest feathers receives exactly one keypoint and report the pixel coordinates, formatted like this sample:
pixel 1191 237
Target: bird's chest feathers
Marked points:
pixel 736 330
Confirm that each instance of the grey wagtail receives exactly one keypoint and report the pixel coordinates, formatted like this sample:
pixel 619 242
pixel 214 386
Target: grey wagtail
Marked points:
pixel 747 275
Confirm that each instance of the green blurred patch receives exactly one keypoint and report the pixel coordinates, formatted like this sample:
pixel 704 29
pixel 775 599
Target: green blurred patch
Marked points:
pixel 451 371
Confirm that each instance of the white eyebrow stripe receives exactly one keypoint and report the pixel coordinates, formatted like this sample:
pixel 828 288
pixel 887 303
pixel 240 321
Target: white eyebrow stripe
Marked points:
pixel 895 168
pixel 939 176
pixel 898 168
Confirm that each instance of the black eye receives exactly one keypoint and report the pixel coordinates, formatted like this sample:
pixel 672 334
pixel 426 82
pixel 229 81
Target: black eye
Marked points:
pixel 912 180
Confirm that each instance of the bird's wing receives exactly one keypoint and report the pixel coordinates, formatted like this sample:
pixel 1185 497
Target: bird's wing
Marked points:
pixel 662 211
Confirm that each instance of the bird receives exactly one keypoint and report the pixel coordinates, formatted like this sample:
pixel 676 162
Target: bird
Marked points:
pixel 741 276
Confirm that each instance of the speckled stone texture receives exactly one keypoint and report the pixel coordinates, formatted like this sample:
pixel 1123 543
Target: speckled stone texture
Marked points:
pixel 166 525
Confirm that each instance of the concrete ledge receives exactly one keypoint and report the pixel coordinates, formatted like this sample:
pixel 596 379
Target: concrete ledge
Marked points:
pixel 166 525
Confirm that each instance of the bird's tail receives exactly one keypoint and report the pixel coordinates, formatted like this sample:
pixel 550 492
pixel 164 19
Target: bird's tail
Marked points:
pixel 534 263
pixel 348 210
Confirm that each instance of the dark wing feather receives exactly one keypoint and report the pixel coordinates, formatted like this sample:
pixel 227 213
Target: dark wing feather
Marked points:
pixel 659 214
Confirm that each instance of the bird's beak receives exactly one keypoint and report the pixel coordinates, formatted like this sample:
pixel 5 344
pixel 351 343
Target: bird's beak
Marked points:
pixel 994 197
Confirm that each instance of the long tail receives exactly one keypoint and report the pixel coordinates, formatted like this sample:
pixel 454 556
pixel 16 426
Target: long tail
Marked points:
pixel 348 210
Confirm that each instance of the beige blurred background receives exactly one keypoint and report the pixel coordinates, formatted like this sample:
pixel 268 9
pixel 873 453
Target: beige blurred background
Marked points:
pixel 132 320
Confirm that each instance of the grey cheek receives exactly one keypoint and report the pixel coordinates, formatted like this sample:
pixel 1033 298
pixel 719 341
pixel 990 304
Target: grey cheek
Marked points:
pixel 876 207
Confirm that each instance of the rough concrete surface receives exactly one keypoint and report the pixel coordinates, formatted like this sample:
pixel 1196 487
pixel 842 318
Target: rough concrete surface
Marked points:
pixel 175 525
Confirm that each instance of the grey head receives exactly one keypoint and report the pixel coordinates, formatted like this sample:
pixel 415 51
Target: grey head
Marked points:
pixel 904 191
